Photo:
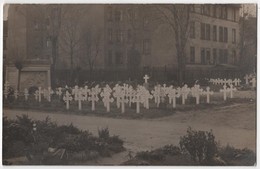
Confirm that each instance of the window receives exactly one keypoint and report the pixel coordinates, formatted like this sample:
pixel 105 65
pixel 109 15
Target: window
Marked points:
pixel 202 31
pixel 234 17
pixel 48 42
pixel 220 34
pixel 130 14
pixel 214 33
pixel 223 56
pixel 205 9
pixel 110 35
pixel 223 12
pixel 119 36
pixel 207 32
pixel 202 56
pixel 214 56
pixel 192 54
pixel 221 60
pixel 110 58
pixel 118 15
pixel 146 46
pixel 192 8
pixel 234 57
pixel 233 35
pixel 207 56
pixel 192 29
pixel 225 34
pixel 110 14
pixel 119 58
pixel 214 8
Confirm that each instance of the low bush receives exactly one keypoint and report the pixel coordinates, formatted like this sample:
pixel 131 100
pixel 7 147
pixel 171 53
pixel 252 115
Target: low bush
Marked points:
pixel 34 139
pixel 201 145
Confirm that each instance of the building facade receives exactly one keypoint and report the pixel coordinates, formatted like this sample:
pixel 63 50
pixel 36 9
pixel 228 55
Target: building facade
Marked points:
pixel 116 37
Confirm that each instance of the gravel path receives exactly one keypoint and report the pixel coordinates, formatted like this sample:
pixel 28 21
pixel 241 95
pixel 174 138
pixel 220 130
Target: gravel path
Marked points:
pixel 234 125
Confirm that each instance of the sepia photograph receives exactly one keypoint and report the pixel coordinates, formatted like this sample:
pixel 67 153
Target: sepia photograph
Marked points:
pixel 129 84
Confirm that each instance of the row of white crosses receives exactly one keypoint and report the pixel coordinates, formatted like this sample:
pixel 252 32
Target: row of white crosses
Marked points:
pixel 160 93
pixel 219 81
pixel 227 90
pixel 250 78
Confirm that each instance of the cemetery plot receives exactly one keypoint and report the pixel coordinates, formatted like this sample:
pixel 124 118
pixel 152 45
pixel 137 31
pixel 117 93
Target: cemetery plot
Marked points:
pixel 123 99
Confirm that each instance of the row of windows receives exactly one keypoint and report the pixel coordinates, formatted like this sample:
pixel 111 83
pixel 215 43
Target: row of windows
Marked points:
pixel 217 11
pixel 218 56
pixel 205 32
pixel 120 37
pixel 117 15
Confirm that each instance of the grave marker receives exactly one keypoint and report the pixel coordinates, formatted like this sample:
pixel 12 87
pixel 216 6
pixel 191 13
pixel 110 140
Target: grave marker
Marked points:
pixel 224 91
pixel 26 94
pixel 208 93
pixel 67 98
pixel 246 78
pixel 253 81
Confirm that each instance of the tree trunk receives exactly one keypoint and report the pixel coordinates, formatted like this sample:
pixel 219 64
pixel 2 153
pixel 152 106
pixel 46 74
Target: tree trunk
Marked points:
pixel 19 77
pixel 53 65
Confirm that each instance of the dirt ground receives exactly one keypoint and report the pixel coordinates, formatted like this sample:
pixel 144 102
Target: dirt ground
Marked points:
pixel 233 124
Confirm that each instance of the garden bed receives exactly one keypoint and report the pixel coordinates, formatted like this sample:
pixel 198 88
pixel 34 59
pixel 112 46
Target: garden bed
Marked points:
pixel 43 142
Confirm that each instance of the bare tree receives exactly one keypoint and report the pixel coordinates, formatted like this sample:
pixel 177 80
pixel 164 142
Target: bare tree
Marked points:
pixel 91 47
pixel 70 33
pixel 248 41
pixel 178 17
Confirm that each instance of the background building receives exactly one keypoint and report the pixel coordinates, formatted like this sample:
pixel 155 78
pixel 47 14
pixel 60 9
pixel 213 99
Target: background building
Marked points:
pixel 72 43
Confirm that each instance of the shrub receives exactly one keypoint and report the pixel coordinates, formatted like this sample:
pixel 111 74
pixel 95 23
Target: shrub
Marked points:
pixel 150 156
pixel 171 150
pixel 243 156
pixel 103 133
pixel 201 145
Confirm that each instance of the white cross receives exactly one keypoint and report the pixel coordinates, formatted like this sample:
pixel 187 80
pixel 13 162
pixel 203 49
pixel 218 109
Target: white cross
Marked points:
pixel 122 101
pixel 246 78
pixel 36 94
pixel 130 94
pixel 225 82
pixel 106 97
pixel 208 93
pixel 172 97
pixel 59 91
pixel 225 90
pixel 75 92
pixel 80 98
pixel 237 82
pixel 231 89
pixel 93 98
pixel 67 98
pixel 116 94
pixel 146 79
pixel 196 92
pixel 253 81
pixel 146 96
pixel 6 89
pixel 50 92
pixel 184 93
pixel 16 94
pixel 156 95
pixel 26 94
pixel 137 99
pixel 40 92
